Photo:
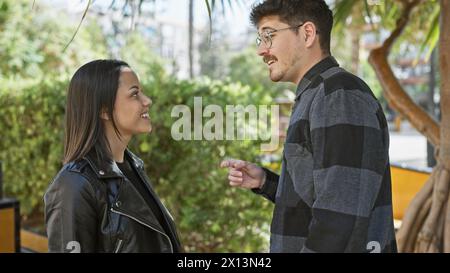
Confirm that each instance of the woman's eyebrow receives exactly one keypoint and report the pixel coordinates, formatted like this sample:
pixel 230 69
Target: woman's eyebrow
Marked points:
pixel 134 86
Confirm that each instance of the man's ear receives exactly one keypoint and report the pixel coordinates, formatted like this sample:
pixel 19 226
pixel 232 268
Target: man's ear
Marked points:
pixel 309 33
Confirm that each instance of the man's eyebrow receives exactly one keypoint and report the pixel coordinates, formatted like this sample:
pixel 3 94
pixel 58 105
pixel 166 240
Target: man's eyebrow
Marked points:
pixel 267 28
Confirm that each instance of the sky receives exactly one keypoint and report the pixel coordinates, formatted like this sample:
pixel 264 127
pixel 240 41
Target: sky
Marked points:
pixel 174 15
pixel 174 11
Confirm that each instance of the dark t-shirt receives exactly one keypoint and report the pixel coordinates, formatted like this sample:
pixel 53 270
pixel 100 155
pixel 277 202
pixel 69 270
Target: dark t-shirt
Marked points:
pixel 144 191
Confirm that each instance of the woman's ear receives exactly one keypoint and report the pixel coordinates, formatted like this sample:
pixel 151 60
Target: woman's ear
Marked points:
pixel 104 115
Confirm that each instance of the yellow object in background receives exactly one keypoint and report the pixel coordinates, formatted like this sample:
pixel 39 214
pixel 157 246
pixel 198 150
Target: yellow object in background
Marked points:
pixel 9 226
pixel 406 183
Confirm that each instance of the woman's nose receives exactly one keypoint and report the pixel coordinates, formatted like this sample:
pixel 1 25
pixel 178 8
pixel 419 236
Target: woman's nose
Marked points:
pixel 147 101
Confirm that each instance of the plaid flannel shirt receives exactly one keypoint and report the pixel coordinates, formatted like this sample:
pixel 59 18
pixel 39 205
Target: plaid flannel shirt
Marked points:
pixel 334 191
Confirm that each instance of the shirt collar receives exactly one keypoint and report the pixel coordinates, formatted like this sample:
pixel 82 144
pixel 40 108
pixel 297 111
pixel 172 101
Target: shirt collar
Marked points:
pixel 320 67
pixel 109 169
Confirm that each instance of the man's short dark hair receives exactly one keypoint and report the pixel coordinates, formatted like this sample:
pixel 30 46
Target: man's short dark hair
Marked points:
pixel 295 12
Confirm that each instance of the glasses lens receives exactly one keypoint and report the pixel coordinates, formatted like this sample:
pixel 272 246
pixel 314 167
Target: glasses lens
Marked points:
pixel 267 39
pixel 258 41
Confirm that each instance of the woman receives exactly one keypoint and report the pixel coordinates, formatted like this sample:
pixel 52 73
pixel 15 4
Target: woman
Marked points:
pixel 102 200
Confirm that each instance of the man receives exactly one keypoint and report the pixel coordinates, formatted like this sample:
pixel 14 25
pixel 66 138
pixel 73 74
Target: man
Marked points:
pixel 334 191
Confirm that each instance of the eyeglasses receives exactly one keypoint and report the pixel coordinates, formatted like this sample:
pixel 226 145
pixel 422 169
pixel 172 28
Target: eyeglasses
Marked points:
pixel 266 36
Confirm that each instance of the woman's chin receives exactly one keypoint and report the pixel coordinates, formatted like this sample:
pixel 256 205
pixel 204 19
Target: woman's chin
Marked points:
pixel 149 128
pixel 144 130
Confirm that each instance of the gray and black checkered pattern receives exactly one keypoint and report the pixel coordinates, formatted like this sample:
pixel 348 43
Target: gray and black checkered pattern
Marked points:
pixel 334 191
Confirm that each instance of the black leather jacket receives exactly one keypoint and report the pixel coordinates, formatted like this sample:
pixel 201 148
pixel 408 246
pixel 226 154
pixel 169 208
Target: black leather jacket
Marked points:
pixel 91 207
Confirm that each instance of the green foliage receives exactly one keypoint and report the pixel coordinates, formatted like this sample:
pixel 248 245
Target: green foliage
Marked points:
pixel 215 52
pixel 249 69
pixel 422 30
pixel 370 78
pixel 417 42
pixel 139 55
pixel 211 215
pixel 34 75
pixel 32 41
pixel 31 139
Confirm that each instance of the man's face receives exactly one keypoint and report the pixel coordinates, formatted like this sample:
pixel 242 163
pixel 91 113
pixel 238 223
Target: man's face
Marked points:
pixel 284 57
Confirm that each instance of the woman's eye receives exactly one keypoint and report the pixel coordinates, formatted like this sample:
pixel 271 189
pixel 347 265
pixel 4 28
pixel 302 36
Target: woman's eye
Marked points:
pixel 135 94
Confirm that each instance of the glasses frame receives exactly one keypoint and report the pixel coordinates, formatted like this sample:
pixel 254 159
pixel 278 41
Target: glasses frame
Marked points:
pixel 268 38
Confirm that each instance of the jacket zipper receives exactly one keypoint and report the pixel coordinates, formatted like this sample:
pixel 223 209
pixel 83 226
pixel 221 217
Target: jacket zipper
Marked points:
pixel 119 245
pixel 142 223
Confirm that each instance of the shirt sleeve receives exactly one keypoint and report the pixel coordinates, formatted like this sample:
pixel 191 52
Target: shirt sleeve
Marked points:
pixel 269 189
pixel 70 214
pixel 350 156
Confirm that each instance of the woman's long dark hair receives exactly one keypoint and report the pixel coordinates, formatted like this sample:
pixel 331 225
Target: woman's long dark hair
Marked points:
pixel 92 91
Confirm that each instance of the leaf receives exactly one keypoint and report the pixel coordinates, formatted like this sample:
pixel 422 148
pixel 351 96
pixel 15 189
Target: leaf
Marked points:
pixel 210 18
pixel 145 147
pixel 211 7
pixel 432 36
pixel 343 10
pixel 79 25
pixel 369 14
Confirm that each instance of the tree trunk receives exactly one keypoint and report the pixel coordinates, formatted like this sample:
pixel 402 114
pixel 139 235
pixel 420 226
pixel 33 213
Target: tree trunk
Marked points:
pixel 396 96
pixel 191 38
pixel 426 224
pixel 355 51
pixel 431 106
pixel 356 28
pixel 444 58
pixel 444 151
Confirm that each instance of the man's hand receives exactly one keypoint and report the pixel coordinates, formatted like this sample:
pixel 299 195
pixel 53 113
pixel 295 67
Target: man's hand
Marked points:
pixel 244 174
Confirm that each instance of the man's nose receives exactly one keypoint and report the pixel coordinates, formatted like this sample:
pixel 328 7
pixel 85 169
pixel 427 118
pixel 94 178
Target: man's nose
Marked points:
pixel 262 50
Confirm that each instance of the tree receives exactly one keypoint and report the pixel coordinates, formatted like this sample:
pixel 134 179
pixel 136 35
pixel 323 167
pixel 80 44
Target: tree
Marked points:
pixel 133 8
pixel 211 5
pixel 31 42
pixel 210 216
pixel 191 39
pixel 426 224
pixel 351 24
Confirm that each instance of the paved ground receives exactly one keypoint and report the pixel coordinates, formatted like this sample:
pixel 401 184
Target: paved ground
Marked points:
pixel 408 147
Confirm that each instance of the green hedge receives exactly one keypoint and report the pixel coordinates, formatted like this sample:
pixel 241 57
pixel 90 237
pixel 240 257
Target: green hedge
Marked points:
pixel 31 126
pixel 211 216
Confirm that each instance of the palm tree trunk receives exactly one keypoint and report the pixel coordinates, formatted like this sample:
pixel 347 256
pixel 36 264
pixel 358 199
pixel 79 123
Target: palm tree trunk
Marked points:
pixel 191 38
